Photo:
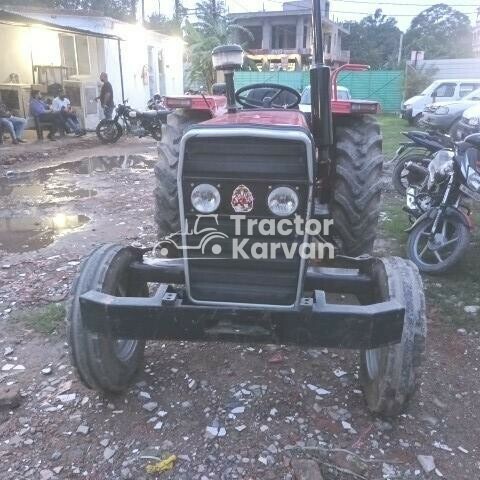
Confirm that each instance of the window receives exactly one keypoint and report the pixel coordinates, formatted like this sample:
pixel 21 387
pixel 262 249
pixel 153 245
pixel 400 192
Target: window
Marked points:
pixel 466 88
pixel 75 54
pixel 445 90
pixel 83 59
pixel 284 37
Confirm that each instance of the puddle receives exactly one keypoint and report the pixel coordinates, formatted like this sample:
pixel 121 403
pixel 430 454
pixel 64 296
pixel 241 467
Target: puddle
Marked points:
pixel 27 233
pixel 21 192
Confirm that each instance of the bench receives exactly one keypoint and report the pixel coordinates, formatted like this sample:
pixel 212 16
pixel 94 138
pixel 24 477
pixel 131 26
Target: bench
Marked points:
pixel 40 126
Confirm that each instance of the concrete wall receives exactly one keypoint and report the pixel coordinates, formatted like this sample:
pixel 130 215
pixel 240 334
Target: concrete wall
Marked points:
pixel 135 60
pixel 453 68
pixel 15 52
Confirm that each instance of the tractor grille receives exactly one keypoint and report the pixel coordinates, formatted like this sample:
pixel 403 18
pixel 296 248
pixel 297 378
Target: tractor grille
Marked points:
pixel 260 164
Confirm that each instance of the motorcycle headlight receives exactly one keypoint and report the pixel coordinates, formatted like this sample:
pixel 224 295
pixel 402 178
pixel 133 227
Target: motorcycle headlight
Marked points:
pixel 442 111
pixel 474 121
pixel 205 198
pixel 283 201
pixel 473 180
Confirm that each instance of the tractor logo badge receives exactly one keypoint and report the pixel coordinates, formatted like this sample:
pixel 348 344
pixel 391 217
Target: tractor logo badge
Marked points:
pixel 242 199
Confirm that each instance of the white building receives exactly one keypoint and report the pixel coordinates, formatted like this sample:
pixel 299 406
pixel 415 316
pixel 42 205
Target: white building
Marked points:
pixel 42 47
pixel 283 39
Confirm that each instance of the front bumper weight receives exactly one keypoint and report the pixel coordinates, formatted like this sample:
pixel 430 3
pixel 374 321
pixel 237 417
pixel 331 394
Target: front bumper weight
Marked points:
pixel 315 322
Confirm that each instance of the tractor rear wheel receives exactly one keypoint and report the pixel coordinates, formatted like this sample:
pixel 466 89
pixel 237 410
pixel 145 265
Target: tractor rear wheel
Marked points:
pixel 391 375
pixel 101 362
pixel 355 204
pixel 166 193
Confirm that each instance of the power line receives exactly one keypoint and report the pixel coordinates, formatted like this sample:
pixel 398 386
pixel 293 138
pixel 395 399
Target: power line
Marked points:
pixel 403 4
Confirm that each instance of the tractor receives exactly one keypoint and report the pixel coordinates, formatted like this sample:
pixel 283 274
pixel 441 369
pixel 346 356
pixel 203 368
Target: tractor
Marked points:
pixel 248 168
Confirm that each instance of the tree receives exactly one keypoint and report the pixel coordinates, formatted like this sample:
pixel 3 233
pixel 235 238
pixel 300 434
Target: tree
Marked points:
pixel 440 31
pixel 169 26
pixel 122 9
pixel 212 28
pixel 374 41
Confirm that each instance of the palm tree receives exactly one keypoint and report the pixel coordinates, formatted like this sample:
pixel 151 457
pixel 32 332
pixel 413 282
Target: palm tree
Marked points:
pixel 212 28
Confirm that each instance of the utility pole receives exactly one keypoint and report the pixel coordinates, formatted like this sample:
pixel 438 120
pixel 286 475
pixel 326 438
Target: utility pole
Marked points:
pixel 400 47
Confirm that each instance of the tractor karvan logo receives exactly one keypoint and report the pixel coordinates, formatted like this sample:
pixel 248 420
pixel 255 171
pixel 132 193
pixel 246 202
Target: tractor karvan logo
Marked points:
pixel 242 199
pixel 209 242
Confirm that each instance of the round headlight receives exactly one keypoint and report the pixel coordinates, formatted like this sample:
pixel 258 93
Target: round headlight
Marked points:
pixel 205 198
pixel 283 201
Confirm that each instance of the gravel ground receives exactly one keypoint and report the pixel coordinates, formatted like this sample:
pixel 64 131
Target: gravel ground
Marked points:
pixel 224 411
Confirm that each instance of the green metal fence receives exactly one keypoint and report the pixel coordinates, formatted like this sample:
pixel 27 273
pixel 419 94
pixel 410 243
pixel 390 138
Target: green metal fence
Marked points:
pixel 384 86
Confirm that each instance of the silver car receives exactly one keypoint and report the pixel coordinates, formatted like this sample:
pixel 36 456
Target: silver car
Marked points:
pixel 446 116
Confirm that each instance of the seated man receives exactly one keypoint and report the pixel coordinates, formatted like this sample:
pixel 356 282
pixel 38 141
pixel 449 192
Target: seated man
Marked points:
pixel 40 110
pixel 13 125
pixel 61 104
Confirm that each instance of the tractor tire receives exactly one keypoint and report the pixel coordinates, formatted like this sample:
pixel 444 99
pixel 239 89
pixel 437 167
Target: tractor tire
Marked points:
pixel 355 203
pixel 391 375
pixel 101 362
pixel 167 216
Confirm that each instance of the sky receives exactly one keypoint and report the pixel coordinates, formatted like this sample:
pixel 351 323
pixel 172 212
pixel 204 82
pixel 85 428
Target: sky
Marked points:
pixel 402 10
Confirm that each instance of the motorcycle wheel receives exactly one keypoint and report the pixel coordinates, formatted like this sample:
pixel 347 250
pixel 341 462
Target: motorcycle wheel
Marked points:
pixel 156 132
pixel 109 131
pixel 403 178
pixel 438 255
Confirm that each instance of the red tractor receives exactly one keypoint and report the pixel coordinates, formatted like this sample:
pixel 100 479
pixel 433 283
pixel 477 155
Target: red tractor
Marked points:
pixel 262 178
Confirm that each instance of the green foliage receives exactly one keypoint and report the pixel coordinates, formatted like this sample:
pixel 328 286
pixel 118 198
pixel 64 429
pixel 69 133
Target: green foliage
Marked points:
pixel 169 26
pixel 122 9
pixel 42 319
pixel 416 80
pixel 374 41
pixel 212 28
pixel 440 31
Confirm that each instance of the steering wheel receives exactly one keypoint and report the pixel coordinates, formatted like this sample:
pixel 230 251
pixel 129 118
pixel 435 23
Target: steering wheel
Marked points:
pixel 271 99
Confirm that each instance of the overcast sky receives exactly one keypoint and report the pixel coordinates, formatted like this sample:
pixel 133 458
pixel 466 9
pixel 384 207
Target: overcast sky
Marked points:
pixel 341 9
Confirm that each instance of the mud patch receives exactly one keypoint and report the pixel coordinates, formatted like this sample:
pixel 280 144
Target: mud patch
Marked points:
pixel 27 233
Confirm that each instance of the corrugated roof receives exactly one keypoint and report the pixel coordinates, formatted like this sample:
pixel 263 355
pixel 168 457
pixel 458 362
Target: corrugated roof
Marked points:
pixel 9 18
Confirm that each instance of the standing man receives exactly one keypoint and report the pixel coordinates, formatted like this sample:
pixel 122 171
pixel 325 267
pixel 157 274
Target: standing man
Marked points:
pixel 106 96
pixel 14 125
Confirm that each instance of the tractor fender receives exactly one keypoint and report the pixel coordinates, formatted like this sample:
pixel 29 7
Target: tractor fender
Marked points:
pixel 450 211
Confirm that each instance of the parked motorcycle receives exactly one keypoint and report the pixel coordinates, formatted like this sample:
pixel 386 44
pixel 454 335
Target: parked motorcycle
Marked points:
pixel 129 121
pixel 412 158
pixel 441 234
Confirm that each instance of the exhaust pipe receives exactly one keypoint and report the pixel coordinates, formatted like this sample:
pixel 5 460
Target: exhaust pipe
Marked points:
pixel 320 88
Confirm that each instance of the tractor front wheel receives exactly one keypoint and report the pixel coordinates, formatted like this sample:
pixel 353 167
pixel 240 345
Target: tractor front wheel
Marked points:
pixel 101 362
pixel 356 189
pixel 167 215
pixel 391 375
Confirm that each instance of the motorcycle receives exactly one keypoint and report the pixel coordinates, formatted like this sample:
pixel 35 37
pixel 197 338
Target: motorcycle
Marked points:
pixel 412 158
pixel 135 122
pixel 441 234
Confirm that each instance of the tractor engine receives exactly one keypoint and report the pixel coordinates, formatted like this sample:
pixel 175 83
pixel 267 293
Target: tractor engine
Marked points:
pixel 231 179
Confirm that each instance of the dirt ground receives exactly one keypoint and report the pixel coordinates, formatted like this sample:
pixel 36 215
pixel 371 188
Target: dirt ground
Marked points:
pixel 225 411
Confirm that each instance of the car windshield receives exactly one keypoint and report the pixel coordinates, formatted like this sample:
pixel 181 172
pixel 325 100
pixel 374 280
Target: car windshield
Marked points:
pixel 342 94
pixel 473 96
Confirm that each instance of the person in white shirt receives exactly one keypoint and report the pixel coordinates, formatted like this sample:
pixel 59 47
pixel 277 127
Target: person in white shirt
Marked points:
pixel 62 105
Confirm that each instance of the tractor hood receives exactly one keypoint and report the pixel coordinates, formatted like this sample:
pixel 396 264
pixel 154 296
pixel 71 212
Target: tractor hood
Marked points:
pixel 270 117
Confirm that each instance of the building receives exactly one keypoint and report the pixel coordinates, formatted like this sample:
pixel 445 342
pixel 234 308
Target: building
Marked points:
pixel 282 40
pixel 476 36
pixel 43 49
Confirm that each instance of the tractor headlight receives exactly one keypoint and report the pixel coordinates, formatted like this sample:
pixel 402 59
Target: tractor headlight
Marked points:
pixel 205 198
pixel 283 201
